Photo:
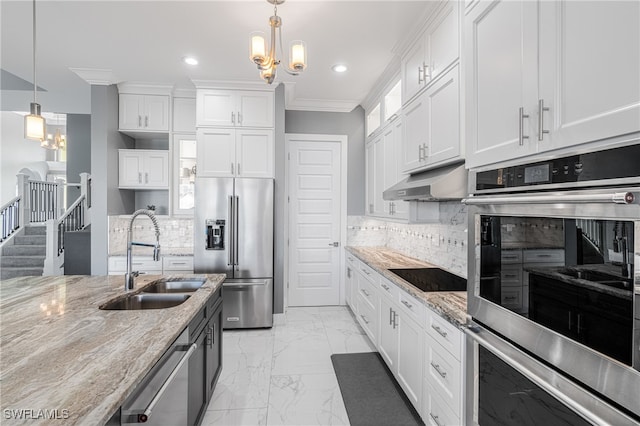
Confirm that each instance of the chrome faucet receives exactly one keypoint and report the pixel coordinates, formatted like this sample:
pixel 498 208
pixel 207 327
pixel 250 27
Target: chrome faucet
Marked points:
pixel 130 276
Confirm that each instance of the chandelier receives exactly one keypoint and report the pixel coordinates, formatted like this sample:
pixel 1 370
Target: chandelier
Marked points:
pixel 55 141
pixel 266 60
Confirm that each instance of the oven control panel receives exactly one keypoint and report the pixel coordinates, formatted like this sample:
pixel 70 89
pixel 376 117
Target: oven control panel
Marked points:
pixel 599 166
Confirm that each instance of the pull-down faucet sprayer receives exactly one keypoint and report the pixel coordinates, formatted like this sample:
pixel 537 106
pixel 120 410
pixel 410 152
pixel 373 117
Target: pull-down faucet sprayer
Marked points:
pixel 130 276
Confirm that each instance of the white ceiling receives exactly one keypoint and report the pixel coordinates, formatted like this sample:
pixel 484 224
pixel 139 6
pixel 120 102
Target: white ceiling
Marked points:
pixel 144 41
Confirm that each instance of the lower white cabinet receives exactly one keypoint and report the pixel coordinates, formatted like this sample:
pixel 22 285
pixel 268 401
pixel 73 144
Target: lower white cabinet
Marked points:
pixel 171 264
pixel 435 412
pixel 146 265
pixel 351 284
pixel 143 169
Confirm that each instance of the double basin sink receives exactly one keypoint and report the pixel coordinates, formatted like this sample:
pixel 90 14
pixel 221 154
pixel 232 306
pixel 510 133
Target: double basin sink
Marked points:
pixel 599 277
pixel 160 294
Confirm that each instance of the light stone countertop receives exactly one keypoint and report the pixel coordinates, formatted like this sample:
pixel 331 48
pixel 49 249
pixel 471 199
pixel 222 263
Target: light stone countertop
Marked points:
pixel 164 252
pixel 451 305
pixel 59 351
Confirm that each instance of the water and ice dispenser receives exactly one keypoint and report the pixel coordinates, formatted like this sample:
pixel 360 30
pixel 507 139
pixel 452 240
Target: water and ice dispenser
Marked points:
pixel 215 234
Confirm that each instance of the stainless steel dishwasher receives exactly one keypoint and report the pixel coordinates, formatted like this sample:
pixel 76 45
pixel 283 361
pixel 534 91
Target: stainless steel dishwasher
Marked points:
pixel 162 397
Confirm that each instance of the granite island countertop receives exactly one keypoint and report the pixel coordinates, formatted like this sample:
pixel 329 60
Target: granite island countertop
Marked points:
pixel 61 352
pixel 451 305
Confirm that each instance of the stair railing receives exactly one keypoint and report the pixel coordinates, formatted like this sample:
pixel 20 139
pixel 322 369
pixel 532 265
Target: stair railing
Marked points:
pixel 10 218
pixel 75 218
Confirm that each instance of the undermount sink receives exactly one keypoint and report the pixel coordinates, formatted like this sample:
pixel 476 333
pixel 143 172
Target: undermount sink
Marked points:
pixel 599 277
pixel 174 286
pixel 145 301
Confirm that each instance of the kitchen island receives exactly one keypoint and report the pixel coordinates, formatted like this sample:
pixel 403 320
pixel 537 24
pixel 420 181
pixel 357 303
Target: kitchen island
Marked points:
pixel 66 361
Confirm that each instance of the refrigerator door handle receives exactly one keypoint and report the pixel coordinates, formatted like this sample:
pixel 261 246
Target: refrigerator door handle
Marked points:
pixel 236 232
pixel 230 248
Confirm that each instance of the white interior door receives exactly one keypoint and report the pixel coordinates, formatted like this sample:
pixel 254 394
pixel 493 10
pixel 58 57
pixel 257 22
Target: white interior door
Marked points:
pixel 316 209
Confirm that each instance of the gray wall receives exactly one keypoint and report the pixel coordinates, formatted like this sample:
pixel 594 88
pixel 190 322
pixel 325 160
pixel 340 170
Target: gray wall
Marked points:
pixel 338 123
pixel 78 151
pixel 279 203
pixel 106 198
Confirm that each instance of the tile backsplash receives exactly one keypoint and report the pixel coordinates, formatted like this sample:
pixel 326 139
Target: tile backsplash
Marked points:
pixel 175 233
pixel 444 243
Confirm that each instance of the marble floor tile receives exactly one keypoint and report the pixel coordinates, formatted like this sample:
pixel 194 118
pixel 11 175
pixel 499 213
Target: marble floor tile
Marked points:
pixel 303 314
pixel 251 417
pixel 249 341
pixel 243 383
pixel 309 399
pixel 349 341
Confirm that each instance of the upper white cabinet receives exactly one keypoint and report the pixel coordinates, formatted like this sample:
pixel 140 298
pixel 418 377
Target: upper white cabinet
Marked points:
pixel 235 152
pixel 235 108
pixel 184 173
pixel 143 113
pixel 143 169
pixel 531 84
pixel 432 125
pixel 433 52
pixel 184 115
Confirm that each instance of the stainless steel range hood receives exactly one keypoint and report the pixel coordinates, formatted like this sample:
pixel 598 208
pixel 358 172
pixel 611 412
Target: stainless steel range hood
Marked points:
pixel 444 183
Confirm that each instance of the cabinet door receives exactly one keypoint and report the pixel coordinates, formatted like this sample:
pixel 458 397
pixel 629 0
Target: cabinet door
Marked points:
pixel 156 113
pixel 413 64
pixel 388 339
pixel 216 108
pixel 370 164
pixel 587 101
pixel 130 112
pixel 197 383
pixel 156 169
pixel 443 40
pixel 254 153
pixel 379 169
pixel 216 152
pixel 255 109
pixel 414 135
pixel 184 115
pixel 400 209
pixel 130 168
pixel 214 349
pixel 444 118
pixel 410 349
pixel 184 173
pixel 500 79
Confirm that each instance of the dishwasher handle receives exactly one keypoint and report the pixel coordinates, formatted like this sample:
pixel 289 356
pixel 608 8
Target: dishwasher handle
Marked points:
pixel 142 418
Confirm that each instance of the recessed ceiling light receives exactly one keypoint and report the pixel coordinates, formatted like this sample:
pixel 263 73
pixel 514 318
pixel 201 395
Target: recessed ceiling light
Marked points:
pixel 339 68
pixel 190 60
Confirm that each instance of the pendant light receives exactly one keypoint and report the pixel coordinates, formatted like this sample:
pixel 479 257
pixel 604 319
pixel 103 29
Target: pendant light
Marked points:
pixel 34 124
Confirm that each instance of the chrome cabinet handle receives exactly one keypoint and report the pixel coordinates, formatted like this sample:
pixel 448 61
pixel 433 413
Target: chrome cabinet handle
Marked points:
pixel 364 319
pixel 390 316
pixel 407 304
pixel 395 317
pixel 366 272
pixel 541 110
pixel 139 177
pixel 425 153
pixel 146 177
pixel 436 367
pixel 420 79
pixel 435 419
pixel 231 168
pixel 420 152
pixel 233 118
pixel 386 287
pixel 365 292
pixel 146 121
pixel 165 385
pixel 425 67
pixel 521 135
pixel 348 272
pixel 139 121
pixel 439 331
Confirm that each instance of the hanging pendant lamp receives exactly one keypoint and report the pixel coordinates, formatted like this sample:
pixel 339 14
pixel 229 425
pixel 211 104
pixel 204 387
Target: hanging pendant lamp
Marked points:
pixel 34 123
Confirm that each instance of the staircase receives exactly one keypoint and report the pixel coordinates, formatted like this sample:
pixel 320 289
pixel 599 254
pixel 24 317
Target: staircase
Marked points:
pixel 24 255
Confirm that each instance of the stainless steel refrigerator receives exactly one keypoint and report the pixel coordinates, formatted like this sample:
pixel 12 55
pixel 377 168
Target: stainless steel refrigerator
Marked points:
pixel 233 227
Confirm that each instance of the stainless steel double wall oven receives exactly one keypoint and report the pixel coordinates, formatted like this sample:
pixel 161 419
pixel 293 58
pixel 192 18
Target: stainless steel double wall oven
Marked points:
pixel 554 291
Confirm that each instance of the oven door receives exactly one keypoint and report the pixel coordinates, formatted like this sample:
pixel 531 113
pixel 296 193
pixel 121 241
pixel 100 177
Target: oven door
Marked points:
pixel 505 386
pixel 522 250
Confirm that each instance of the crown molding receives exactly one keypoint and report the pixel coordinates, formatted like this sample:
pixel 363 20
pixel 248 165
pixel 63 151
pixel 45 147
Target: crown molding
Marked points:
pixel 94 76
pixel 234 85
pixel 323 105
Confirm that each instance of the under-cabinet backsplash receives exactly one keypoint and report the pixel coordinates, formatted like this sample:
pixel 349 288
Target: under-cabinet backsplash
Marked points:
pixel 444 243
pixel 176 233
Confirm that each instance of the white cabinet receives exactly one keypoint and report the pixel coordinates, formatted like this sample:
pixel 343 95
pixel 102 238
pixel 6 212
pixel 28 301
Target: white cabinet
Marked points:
pixel 431 134
pixel 144 113
pixel 410 354
pixel 530 86
pixel 184 115
pixel 177 264
pixel 433 52
pixel 235 152
pixel 142 264
pixel 351 283
pixel 235 108
pixel 388 339
pixel 367 301
pixel 184 173
pixel 143 169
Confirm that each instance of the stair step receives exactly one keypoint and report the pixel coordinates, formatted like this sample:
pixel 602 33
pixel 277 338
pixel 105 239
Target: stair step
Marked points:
pixel 22 261
pixel 13 272
pixel 24 250
pixel 35 230
pixel 30 240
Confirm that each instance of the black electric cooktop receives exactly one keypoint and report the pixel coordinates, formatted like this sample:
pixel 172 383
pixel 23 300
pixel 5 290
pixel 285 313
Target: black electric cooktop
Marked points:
pixel 432 279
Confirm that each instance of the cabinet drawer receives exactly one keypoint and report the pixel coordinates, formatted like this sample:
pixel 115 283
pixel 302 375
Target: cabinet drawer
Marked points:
pixel 511 273
pixel 411 306
pixel 368 272
pixel 435 412
pixel 367 290
pixel 367 318
pixel 138 263
pixel 511 297
pixel 547 256
pixel 387 288
pixel 511 256
pixel 177 263
pixel 443 373
pixel 444 333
